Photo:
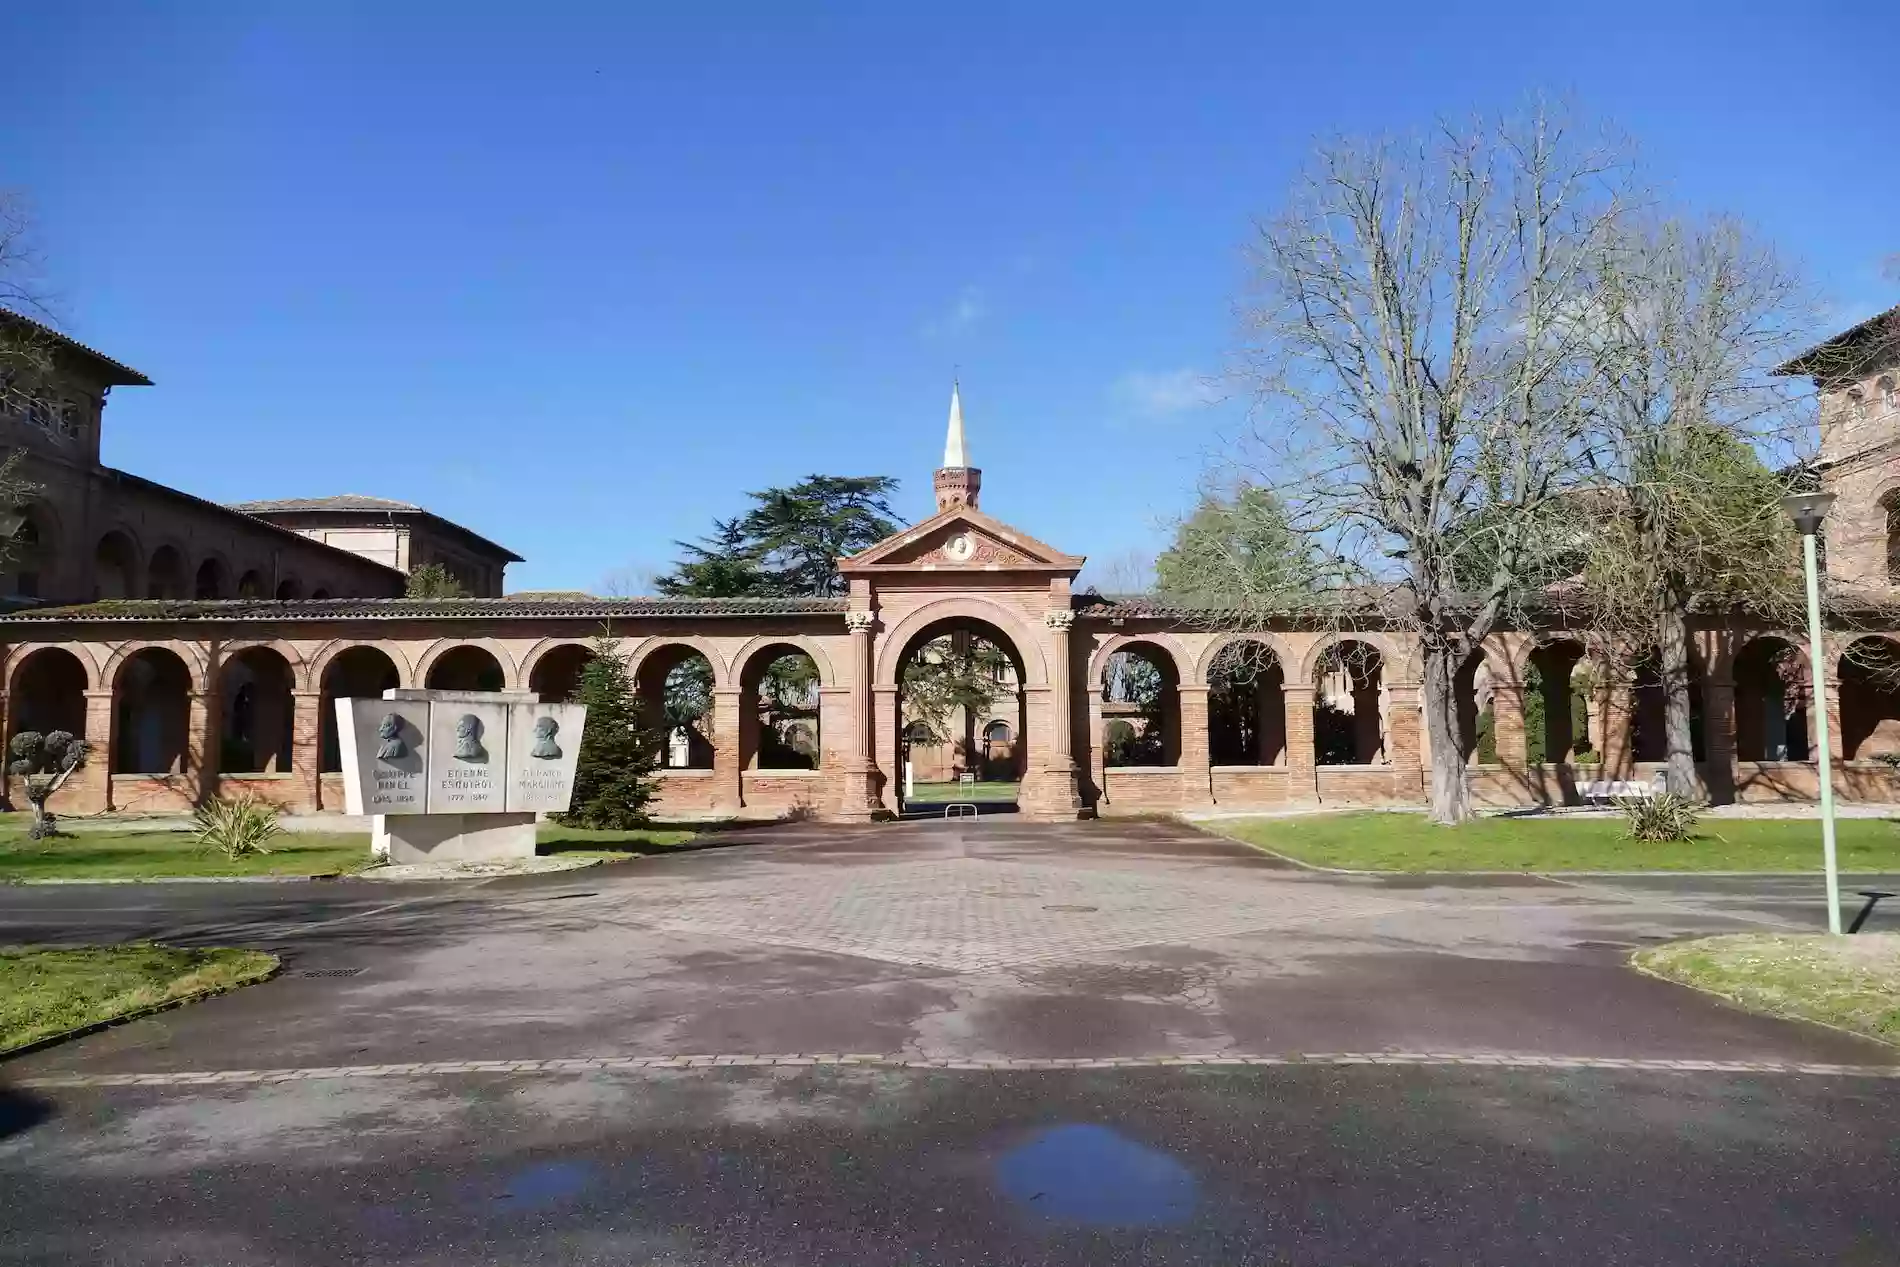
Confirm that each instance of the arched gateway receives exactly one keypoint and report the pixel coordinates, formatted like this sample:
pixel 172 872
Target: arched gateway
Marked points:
pixel 1112 705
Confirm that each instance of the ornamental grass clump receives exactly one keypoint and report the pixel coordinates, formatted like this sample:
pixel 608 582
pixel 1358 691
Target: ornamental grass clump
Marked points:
pixel 1662 817
pixel 236 826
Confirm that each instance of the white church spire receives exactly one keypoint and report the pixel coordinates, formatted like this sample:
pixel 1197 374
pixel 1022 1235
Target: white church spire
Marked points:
pixel 958 483
pixel 953 455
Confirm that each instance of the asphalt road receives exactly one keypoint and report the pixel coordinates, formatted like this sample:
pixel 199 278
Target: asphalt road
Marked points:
pixel 990 941
pixel 834 1168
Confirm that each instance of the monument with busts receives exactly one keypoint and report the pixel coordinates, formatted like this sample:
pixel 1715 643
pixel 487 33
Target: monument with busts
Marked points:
pixel 457 776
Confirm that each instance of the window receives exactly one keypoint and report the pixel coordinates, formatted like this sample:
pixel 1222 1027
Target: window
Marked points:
pixel 1893 539
pixel 1889 394
pixel 1856 403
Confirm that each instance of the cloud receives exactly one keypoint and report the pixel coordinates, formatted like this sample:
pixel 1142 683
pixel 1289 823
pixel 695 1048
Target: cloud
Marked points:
pixel 968 309
pixel 1162 393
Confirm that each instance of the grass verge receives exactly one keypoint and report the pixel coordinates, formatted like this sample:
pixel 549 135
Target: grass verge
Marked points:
pixel 1406 842
pixel 47 990
pixel 609 846
pixel 963 793
pixel 1851 983
pixel 140 855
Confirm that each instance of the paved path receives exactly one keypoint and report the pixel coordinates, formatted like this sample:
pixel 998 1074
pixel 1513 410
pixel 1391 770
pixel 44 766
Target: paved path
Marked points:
pixel 989 941
pixel 986 1043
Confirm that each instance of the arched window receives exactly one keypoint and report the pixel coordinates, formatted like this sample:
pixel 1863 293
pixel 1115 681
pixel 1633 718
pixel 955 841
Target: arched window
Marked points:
pixel 1892 504
pixel 1889 394
pixel 1856 403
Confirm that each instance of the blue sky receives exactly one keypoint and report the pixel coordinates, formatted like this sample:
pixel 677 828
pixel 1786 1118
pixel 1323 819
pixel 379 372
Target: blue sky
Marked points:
pixel 578 275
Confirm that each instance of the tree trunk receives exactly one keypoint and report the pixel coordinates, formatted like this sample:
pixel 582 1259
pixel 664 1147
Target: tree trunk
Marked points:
pixel 1450 792
pixel 1679 774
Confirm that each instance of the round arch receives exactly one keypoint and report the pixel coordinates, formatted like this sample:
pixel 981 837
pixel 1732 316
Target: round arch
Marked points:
pixel 289 652
pixel 319 664
pixel 115 663
pixel 552 667
pixel 151 700
pixel 442 647
pixel 742 658
pixel 256 702
pixel 212 579
pixel 1211 653
pixel 1396 664
pixel 118 550
pixel 19 654
pixel 47 690
pixel 776 733
pixel 1007 621
pixel 660 642
pixel 250 584
pixel 1183 662
pixel 165 571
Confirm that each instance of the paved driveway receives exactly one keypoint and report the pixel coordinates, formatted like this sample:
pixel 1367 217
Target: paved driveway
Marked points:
pixel 653 1064
pixel 991 940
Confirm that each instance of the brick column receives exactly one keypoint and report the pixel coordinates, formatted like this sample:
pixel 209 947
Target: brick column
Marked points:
pixel 726 797
pixel 89 791
pixel 1402 741
pixel 1098 752
pixel 200 762
pixel 1197 780
pixel 1269 722
pixel 1053 794
pixel 1302 780
pixel 306 750
pixel 1616 710
pixel 1718 739
pixel 858 797
pixel 1831 693
pixel 1507 725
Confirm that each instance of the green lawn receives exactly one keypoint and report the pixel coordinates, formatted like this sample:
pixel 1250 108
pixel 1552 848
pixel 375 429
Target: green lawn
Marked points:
pixel 1406 842
pixel 114 855
pixel 611 846
pixel 1852 982
pixel 963 793
pixel 46 990
pixel 133 855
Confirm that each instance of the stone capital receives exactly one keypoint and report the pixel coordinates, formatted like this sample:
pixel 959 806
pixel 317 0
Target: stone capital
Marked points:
pixel 1060 619
pixel 860 622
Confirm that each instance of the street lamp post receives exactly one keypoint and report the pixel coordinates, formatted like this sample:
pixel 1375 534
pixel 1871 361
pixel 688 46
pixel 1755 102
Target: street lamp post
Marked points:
pixel 1808 510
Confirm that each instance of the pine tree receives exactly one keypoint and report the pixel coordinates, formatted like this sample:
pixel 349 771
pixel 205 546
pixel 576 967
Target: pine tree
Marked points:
pixel 611 783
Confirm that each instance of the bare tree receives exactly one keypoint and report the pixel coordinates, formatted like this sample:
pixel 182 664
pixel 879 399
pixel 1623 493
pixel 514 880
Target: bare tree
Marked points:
pixel 1689 323
pixel 1129 572
pixel 1415 348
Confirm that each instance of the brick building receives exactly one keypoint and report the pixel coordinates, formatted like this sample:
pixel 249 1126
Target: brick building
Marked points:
pixel 181 697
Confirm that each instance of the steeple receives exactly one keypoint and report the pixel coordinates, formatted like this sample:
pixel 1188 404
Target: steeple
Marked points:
pixel 958 483
pixel 953 443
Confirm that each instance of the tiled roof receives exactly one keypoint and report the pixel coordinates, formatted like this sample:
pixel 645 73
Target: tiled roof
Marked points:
pixel 343 501
pixel 1814 360
pixel 581 608
pixel 117 373
pixel 359 504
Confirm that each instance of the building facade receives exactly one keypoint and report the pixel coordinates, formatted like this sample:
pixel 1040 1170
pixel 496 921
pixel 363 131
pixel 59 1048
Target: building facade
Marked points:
pixel 92 532
pixel 182 698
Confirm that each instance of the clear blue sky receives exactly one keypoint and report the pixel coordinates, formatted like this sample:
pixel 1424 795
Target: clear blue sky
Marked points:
pixel 578 275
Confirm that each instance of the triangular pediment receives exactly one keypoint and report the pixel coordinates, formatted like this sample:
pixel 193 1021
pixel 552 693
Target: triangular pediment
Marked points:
pixel 962 538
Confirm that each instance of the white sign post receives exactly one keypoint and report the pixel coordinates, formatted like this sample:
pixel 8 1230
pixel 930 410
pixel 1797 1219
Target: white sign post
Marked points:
pixel 457 775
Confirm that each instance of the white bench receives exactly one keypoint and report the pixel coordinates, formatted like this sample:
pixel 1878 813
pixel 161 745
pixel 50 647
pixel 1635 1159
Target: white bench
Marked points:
pixel 1608 791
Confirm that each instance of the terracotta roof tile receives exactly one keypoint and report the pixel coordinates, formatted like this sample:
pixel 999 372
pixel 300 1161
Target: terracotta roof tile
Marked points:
pixel 583 607
pixel 117 373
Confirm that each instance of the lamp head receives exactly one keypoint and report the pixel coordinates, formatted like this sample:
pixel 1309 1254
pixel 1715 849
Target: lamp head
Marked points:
pixel 1807 510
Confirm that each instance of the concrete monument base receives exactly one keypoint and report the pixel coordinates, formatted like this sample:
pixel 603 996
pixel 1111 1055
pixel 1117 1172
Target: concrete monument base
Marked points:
pixel 452 837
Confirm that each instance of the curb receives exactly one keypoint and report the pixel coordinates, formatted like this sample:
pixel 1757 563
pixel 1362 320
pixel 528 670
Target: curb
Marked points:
pixel 1322 869
pixel 139 1014
pixel 1738 1003
pixel 184 879
pixel 833 1060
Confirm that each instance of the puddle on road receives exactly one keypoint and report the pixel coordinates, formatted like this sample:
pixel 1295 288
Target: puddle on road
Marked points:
pixel 544 1184
pixel 1096 1176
